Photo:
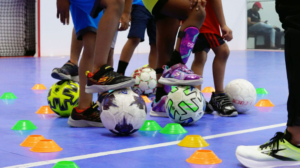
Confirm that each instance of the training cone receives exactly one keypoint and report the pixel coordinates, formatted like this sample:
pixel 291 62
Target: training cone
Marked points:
pixel 146 99
pixel 205 157
pixel 264 103
pixel 65 164
pixel 150 125
pixel 8 95
pixel 193 141
pixel 24 125
pixel 45 110
pixel 46 145
pixel 261 91
pixel 208 90
pixel 39 87
pixel 173 128
pixel 146 65
pixel 31 140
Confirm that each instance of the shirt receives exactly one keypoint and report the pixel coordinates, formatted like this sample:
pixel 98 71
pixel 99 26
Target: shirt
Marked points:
pixel 254 15
pixel 211 24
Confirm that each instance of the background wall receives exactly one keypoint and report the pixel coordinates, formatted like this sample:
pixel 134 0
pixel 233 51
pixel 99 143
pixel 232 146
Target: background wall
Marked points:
pixel 56 38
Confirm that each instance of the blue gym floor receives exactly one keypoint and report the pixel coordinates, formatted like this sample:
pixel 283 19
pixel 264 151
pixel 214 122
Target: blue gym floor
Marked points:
pixel 97 147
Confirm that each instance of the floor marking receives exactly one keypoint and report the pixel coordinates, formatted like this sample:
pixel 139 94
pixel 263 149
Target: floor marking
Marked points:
pixel 93 155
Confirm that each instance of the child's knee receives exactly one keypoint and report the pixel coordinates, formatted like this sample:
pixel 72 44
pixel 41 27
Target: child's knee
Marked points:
pixel 134 41
pixel 224 53
pixel 116 5
pixel 200 14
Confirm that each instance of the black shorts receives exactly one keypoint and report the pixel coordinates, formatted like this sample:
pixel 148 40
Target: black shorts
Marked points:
pixel 206 41
pixel 97 8
pixel 156 11
pixel 141 19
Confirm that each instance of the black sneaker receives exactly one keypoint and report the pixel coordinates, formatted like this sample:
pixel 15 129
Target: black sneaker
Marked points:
pixel 106 79
pixel 88 118
pixel 223 105
pixel 208 108
pixel 68 71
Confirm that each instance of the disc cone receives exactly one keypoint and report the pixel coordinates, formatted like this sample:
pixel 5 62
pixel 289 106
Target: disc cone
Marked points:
pixel 150 125
pixel 39 87
pixel 46 145
pixel 31 140
pixel 173 128
pixel 208 90
pixel 264 103
pixel 65 164
pixel 261 91
pixel 45 110
pixel 8 96
pixel 193 141
pixel 24 125
pixel 205 157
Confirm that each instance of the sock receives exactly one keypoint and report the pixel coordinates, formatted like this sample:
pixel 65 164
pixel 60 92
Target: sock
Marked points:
pixel 175 59
pixel 160 92
pixel 122 67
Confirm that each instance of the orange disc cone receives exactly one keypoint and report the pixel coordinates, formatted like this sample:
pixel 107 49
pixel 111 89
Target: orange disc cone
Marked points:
pixel 39 87
pixel 205 157
pixel 45 110
pixel 46 145
pixel 146 99
pixel 264 103
pixel 208 90
pixel 193 141
pixel 31 140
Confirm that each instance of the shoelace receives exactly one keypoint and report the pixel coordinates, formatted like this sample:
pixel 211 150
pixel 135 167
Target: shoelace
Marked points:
pixel 274 142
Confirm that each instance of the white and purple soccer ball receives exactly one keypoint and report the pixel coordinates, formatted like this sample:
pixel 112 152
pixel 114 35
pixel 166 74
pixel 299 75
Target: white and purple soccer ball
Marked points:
pixel 242 94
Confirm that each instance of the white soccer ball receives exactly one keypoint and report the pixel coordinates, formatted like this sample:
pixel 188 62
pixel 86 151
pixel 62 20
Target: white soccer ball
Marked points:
pixel 185 105
pixel 123 111
pixel 145 80
pixel 242 94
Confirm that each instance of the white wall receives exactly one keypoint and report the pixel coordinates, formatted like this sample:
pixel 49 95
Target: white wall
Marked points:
pixel 56 38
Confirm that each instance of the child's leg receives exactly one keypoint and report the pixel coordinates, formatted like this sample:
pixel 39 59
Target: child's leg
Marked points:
pixel 110 60
pixel 219 65
pixel 198 64
pixel 76 48
pixel 152 56
pixel 151 31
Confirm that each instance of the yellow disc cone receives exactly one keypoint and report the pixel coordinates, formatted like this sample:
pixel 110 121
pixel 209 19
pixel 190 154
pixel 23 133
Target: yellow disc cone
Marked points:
pixel 39 87
pixel 208 90
pixel 264 103
pixel 31 140
pixel 193 141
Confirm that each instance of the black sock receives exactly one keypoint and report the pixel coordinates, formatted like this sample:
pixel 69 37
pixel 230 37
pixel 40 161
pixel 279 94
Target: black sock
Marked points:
pixel 160 92
pixel 122 67
pixel 175 59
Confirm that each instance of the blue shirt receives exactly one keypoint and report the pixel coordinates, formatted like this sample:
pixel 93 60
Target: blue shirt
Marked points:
pixel 138 2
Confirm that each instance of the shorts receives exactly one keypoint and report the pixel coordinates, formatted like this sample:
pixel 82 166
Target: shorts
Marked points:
pixel 206 41
pixel 141 19
pixel 83 21
pixel 155 7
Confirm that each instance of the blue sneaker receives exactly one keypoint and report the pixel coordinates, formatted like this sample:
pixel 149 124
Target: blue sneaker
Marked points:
pixel 158 109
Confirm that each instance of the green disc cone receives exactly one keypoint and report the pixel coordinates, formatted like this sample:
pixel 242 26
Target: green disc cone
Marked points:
pixel 65 164
pixel 8 95
pixel 150 125
pixel 261 91
pixel 24 125
pixel 173 128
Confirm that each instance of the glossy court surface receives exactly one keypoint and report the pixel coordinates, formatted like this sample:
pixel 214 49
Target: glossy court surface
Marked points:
pixel 97 147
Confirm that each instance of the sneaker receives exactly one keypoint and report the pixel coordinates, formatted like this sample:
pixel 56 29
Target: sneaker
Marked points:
pixel 208 108
pixel 106 79
pixel 277 152
pixel 68 71
pixel 90 117
pixel 158 109
pixel 179 74
pixel 223 105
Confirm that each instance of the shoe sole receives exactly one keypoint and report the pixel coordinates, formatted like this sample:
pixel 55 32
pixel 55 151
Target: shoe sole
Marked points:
pixel 176 82
pixel 158 114
pixel 268 164
pixel 83 123
pixel 234 114
pixel 61 76
pixel 104 88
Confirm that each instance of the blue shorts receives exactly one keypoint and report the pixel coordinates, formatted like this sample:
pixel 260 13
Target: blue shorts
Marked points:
pixel 141 19
pixel 81 11
pixel 206 41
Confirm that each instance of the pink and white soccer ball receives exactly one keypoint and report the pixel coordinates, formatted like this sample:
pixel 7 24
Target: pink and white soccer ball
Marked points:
pixel 242 94
pixel 145 80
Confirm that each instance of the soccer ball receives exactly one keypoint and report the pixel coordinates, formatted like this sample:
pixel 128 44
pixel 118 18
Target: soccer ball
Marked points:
pixel 185 105
pixel 145 80
pixel 242 94
pixel 63 97
pixel 123 111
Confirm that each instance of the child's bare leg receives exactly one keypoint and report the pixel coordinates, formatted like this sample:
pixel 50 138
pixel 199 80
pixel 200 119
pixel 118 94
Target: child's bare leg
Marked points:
pixel 76 47
pixel 198 64
pixel 110 60
pixel 152 56
pixel 219 65
pixel 86 64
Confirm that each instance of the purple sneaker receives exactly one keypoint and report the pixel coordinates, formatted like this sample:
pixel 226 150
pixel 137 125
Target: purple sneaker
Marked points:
pixel 179 74
pixel 158 109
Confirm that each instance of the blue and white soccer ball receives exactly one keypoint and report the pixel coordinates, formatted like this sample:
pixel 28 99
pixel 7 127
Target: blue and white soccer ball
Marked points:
pixel 123 111
pixel 185 105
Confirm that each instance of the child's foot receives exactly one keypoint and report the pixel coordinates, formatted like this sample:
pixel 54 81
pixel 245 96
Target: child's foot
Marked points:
pixel 106 79
pixel 278 152
pixel 158 109
pixel 208 108
pixel 179 74
pixel 89 117
pixel 68 71
pixel 222 104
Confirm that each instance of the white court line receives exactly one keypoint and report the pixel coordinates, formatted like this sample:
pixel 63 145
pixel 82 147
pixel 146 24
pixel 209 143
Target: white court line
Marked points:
pixel 93 155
